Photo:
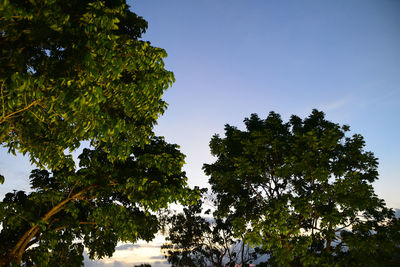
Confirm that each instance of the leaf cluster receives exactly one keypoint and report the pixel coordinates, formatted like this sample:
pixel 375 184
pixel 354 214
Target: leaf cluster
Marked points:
pixel 77 70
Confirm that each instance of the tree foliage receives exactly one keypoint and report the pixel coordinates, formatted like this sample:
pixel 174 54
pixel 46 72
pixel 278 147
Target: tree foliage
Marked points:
pixel 95 206
pixel 76 70
pixel 303 191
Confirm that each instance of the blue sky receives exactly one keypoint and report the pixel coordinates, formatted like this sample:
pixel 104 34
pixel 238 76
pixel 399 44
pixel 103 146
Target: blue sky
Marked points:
pixel 232 58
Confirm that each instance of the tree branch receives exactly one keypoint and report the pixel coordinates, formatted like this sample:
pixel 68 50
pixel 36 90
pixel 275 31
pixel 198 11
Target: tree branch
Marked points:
pixel 5 118
pixel 20 247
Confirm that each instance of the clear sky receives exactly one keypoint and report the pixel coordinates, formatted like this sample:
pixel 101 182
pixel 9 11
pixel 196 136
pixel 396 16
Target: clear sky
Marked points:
pixel 232 58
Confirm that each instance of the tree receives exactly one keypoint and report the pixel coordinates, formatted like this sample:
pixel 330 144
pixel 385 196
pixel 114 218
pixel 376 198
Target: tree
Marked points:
pixel 95 206
pixel 73 71
pixel 77 70
pixel 302 190
pixel 195 239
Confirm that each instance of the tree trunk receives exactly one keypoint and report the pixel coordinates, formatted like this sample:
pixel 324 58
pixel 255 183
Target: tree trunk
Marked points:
pixel 15 255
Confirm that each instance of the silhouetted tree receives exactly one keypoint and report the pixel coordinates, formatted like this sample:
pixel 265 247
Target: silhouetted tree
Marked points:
pixel 196 239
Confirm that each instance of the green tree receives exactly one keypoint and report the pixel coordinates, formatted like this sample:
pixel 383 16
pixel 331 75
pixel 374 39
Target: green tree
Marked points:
pixel 95 206
pixel 73 71
pixel 302 190
pixel 77 70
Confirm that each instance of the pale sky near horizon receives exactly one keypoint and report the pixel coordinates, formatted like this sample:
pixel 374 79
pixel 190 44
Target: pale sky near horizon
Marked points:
pixel 232 58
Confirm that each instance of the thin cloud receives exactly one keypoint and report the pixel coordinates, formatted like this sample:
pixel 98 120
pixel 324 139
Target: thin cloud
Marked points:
pixel 127 247
pixel 334 105
pixel 157 257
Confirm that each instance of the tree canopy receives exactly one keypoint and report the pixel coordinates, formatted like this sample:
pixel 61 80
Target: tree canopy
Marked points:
pixel 73 71
pixel 95 206
pixel 302 190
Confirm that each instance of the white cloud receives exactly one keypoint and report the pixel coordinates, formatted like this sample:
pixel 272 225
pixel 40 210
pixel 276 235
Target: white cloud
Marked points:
pixel 128 254
pixel 334 105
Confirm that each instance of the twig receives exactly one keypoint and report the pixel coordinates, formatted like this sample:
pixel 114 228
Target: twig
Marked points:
pixel 2 98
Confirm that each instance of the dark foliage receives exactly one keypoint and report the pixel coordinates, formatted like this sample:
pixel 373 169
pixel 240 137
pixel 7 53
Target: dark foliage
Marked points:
pixel 196 239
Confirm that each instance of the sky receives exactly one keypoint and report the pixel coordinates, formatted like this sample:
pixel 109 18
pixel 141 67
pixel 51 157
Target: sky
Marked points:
pixel 232 58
